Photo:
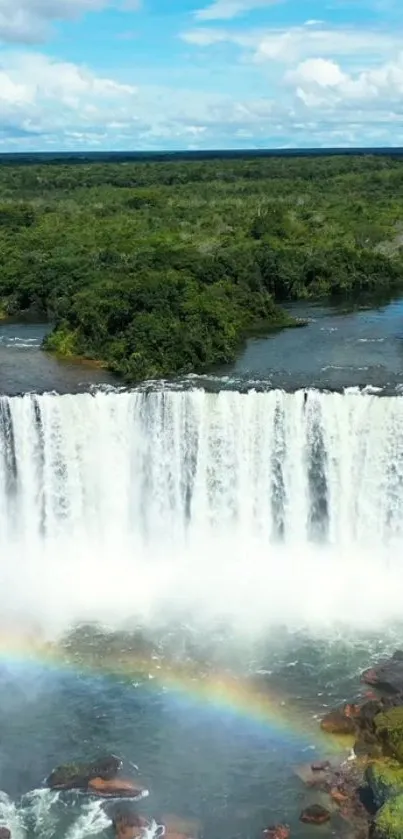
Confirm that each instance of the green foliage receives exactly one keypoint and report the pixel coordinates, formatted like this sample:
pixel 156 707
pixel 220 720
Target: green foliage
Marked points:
pixel 385 777
pixel 162 267
pixel 389 819
pixel 389 730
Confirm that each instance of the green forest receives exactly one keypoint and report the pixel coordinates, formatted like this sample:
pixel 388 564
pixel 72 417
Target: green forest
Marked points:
pixel 158 268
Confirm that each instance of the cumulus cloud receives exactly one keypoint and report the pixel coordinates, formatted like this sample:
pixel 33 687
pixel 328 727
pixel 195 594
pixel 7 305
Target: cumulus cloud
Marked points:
pixel 48 103
pixel 319 82
pixel 65 105
pixel 29 21
pixel 42 96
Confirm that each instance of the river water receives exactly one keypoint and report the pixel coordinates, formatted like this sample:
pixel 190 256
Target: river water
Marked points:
pixel 193 572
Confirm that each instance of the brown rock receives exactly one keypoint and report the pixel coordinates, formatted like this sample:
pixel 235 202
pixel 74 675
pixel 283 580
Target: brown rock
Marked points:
pixel 315 814
pixel 179 824
pixel 277 831
pixel 337 722
pixel 320 766
pixel 77 775
pixel 339 795
pixel 116 787
pixel 387 675
pixel 5 833
pixel 127 822
pixel 317 777
pixel 129 825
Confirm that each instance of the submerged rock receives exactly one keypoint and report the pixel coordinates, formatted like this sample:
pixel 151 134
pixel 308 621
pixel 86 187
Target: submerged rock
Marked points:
pixel 385 780
pixel 320 766
pixel 387 675
pixel 116 788
pixel 388 822
pixel 5 833
pixel 317 777
pixel 78 775
pixel 276 831
pixel 339 722
pixel 315 814
pixel 128 824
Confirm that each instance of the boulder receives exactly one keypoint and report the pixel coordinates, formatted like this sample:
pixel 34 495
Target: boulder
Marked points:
pixel 320 766
pixel 128 824
pixel 389 732
pixel 339 722
pixel 116 788
pixel 276 831
pixel 78 775
pixel 367 745
pixel 315 814
pixel 385 780
pixel 387 675
pixel 388 822
pixel 180 824
pixel 339 795
pixel 5 833
pixel 313 777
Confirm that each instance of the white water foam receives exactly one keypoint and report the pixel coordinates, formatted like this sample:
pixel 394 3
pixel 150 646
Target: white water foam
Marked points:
pixel 10 817
pixel 254 509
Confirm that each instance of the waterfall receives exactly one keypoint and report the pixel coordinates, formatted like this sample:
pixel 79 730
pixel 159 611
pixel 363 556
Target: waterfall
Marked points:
pixel 115 503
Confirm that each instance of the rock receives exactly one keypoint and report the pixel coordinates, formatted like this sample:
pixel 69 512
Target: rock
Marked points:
pixel 368 712
pixel 388 822
pixel 320 766
pixel 128 824
pixel 313 777
pixel 339 795
pixel 367 745
pixel 389 732
pixel 277 831
pixel 116 788
pixel 180 824
pixel 385 779
pixel 5 833
pixel 78 775
pixel 315 814
pixel 387 675
pixel 338 722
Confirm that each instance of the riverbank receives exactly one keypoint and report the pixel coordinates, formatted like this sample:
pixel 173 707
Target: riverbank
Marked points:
pixel 160 269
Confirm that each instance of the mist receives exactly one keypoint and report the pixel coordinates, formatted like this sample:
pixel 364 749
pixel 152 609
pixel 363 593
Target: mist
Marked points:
pixel 252 511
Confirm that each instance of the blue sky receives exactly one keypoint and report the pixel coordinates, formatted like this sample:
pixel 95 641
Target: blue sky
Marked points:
pixel 194 74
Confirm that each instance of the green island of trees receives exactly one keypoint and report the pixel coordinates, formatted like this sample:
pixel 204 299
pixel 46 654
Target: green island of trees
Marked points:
pixel 158 268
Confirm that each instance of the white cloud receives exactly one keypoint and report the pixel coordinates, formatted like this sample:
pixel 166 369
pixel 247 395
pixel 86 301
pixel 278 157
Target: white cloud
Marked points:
pixel 228 9
pixel 322 83
pixel 47 103
pixel 41 95
pixel 318 71
pixel 29 21
pixel 293 44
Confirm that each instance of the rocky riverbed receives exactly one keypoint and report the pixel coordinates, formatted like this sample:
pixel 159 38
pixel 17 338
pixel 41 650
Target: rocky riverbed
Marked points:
pixel 358 796
pixel 366 790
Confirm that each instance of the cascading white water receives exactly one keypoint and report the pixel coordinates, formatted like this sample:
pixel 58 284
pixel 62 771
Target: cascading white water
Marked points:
pixel 256 508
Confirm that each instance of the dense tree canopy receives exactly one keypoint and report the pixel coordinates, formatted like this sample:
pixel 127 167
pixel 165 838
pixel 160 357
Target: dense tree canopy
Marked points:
pixel 161 267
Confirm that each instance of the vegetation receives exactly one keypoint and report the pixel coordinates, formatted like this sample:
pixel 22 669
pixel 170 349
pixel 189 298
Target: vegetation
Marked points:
pixel 389 819
pixel 385 777
pixel 159 268
pixel 389 730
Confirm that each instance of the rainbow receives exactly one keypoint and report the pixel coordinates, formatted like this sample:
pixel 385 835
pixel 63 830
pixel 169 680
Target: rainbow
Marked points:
pixel 212 691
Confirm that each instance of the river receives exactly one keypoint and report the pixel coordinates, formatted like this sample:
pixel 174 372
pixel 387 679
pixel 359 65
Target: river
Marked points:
pixel 193 572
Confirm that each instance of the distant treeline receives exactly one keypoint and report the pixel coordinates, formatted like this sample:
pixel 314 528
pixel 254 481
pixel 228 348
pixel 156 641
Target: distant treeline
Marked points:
pixel 160 267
